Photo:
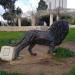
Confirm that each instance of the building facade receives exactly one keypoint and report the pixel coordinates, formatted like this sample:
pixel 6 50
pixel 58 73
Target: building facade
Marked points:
pixel 56 3
pixel 52 4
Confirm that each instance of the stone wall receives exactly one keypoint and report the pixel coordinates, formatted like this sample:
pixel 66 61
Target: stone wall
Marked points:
pixel 26 28
pixel 22 28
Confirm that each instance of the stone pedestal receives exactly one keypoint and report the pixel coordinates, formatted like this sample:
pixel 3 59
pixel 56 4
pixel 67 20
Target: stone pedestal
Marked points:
pixel 7 53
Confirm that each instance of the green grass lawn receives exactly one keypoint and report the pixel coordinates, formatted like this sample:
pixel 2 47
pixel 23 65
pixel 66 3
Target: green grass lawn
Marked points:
pixel 10 38
pixel 7 38
pixel 71 36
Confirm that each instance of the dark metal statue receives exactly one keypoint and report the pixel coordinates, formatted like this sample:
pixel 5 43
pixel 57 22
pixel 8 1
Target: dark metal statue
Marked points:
pixel 52 37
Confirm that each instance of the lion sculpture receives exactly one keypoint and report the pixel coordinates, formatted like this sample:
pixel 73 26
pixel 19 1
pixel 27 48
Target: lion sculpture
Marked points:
pixel 52 37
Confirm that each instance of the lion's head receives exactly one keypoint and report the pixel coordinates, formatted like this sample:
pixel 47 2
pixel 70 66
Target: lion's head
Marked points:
pixel 59 30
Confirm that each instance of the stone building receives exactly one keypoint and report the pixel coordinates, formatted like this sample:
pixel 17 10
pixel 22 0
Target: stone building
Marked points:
pixel 54 8
pixel 56 3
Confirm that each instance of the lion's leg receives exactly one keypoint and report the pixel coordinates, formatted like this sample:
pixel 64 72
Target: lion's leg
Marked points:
pixel 30 49
pixel 51 48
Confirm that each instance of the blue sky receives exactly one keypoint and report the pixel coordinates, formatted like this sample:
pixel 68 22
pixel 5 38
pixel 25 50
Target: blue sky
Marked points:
pixel 29 5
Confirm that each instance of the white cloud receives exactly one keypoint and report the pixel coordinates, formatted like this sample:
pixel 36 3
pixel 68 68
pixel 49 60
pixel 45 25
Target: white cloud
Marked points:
pixel 34 3
pixel 25 5
pixel 71 4
pixel 1 10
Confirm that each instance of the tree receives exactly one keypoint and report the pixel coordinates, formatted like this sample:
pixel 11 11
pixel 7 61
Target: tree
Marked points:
pixel 7 4
pixel 6 16
pixel 42 5
pixel 4 3
pixel 9 17
pixel 18 13
pixel 10 5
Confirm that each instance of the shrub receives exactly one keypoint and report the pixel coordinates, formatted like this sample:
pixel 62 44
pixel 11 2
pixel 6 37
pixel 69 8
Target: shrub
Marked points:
pixel 63 52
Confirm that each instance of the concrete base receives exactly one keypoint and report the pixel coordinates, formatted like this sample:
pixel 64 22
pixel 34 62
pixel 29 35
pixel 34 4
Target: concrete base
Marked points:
pixel 7 53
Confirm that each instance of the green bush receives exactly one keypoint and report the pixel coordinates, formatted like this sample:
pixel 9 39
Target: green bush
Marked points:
pixel 72 72
pixel 63 52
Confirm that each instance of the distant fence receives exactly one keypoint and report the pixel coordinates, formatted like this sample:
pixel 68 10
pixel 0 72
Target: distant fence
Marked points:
pixel 26 28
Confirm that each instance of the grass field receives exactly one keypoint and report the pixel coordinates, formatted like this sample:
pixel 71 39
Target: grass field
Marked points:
pixel 10 38
pixel 71 35
pixel 7 38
